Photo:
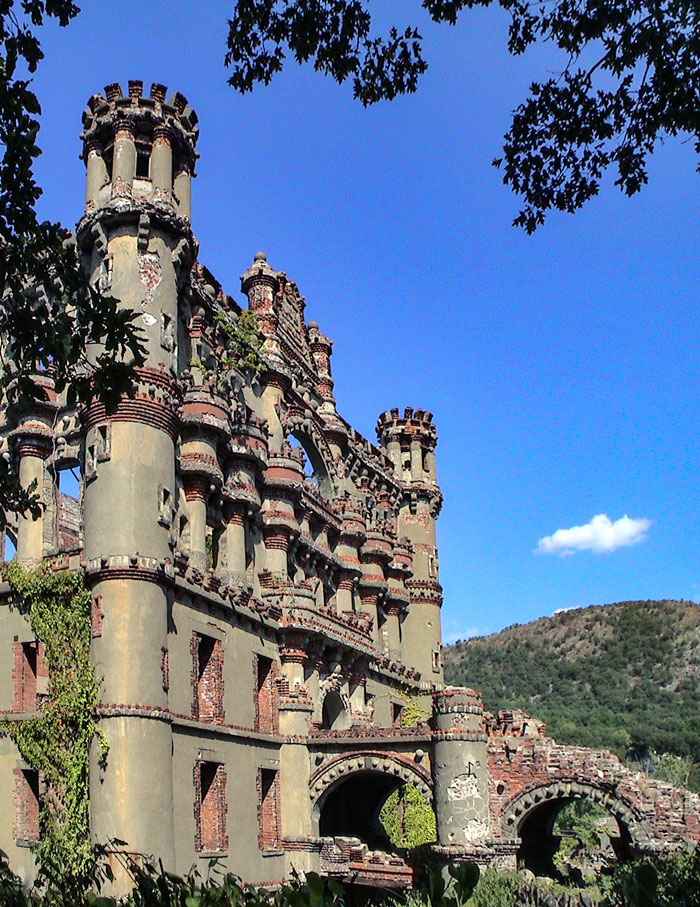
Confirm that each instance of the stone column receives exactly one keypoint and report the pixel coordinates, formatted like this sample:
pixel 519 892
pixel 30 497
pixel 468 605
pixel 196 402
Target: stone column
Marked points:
pixel 276 546
pixel 32 453
pixel 460 769
pixel 392 611
pixel 182 187
pixel 97 175
pixel 346 584
pixel 124 154
pixel 235 543
pixel 296 709
pixel 162 159
pixel 197 495
pixel 416 460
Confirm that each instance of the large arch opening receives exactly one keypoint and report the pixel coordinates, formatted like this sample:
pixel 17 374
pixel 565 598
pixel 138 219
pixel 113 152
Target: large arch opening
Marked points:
pixel 572 839
pixel 351 808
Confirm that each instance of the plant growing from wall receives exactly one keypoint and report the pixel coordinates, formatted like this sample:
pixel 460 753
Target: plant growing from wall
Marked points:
pixel 243 340
pixel 412 712
pixel 407 818
pixel 56 741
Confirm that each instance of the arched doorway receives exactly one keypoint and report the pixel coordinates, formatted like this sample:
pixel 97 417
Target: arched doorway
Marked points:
pixel 351 808
pixel 558 840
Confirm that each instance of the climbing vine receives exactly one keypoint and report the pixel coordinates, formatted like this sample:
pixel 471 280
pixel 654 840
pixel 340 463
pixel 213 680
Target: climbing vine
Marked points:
pixel 56 741
pixel 406 816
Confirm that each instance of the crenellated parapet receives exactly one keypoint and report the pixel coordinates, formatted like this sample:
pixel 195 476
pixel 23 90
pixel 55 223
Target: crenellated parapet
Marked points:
pixel 137 147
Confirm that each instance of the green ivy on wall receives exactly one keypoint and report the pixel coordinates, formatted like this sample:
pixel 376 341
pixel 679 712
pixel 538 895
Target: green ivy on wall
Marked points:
pixel 56 741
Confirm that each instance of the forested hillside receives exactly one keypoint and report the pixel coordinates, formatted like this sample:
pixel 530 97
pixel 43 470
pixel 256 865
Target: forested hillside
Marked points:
pixel 624 677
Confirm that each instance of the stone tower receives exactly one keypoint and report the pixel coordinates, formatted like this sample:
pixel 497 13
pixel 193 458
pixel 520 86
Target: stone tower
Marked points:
pixel 136 244
pixel 410 443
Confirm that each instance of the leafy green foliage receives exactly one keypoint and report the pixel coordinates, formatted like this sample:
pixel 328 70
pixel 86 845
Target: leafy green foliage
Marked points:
pixel 672 880
pixel 56 742
pixel 243 340
pixel 621 677
pixel 629 76
pixel 407 818
pixel 413 712
pixel 495 889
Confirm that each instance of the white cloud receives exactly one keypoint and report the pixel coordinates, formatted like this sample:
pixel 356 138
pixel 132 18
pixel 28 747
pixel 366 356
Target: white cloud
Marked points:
pixel 600 535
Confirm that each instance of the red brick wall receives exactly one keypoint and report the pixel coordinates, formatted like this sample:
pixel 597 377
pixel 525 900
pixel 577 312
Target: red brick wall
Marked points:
pixel 26 805
pixel 266 706
pixel 27 664
pixel 207 679
pixel 269 831
pixel 210 810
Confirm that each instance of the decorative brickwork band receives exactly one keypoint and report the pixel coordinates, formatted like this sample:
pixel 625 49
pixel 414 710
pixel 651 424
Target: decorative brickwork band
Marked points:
pixel 197 488
pixel 425 591
pixel 156 403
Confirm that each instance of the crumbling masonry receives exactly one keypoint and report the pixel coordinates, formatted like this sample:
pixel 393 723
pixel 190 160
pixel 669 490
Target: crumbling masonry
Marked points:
pixel 264 582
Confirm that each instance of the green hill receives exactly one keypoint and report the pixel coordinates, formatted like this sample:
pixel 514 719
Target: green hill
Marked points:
pixel 624 677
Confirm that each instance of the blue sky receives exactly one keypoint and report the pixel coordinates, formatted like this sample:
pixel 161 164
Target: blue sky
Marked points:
pixel 561 368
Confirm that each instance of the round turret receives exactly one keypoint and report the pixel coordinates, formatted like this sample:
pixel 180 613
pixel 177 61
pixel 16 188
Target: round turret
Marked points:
pixel 410 441
pixel 139 146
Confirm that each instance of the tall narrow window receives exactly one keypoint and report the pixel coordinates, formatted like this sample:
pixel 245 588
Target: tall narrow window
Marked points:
pixel 268 809
pixel 265 704
pixel 29 676
pixel 27 804
pixel 207 679
pixel 210 810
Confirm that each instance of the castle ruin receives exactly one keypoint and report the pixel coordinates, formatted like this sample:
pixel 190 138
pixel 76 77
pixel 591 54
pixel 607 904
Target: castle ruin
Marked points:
pixel 264 582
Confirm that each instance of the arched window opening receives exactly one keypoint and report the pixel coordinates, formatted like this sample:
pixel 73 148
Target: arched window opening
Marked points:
pixel 572 840
pixel 334 714
pixel 315 470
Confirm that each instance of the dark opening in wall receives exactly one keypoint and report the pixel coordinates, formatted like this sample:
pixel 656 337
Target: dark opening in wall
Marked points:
pixel 265 703
pixel 207 678
pixel 396 710
pixel 210 809
pixel 334 714
pixel 268 809
pixel 142 164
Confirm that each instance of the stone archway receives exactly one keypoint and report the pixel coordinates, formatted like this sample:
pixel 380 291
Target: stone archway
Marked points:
pixel 529 819
pixel 348 792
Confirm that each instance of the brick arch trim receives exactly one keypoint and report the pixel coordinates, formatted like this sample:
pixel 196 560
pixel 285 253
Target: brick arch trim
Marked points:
pixel 315 445
pixel 525 803
pixel 333 772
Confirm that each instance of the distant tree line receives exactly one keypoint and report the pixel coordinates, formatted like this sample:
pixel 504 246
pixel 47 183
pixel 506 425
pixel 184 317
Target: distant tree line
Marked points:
pixel 624 678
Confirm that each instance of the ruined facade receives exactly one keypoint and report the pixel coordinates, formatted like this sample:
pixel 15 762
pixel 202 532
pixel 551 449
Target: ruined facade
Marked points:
pixel 264 580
